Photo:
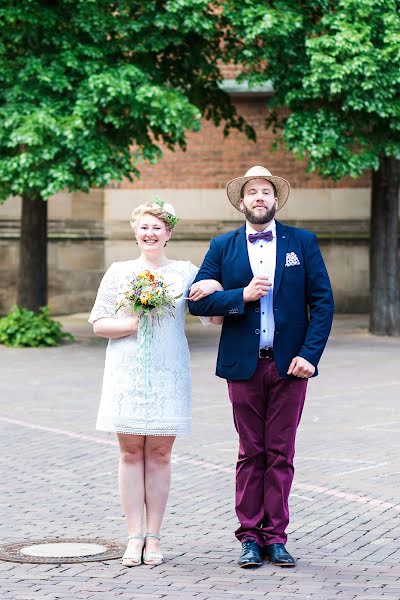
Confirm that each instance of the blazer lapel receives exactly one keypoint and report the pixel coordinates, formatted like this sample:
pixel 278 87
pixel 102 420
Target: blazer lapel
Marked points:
pixel 282 240
pixel 242 258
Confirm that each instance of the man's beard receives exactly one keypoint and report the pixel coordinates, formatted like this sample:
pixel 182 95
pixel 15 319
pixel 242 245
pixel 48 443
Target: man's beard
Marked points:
pixel 262 219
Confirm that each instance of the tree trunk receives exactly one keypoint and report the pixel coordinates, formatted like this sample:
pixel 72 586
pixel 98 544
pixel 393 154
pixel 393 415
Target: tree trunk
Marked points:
pixel 384 249
pixel 32 278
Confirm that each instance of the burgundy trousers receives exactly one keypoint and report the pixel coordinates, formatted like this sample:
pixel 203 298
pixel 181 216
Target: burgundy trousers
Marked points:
pixel 266 413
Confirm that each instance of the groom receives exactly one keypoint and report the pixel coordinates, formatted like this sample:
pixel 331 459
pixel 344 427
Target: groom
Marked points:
pixel 277 306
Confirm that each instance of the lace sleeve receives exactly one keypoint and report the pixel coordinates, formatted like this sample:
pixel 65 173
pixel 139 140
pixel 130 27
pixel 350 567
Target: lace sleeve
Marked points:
pixel 106 299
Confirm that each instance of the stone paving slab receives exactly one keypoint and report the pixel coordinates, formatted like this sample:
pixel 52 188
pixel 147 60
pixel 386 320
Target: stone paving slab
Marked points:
pixel 59 478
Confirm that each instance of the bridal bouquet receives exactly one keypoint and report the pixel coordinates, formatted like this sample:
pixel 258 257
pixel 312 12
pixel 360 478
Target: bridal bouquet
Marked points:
pixel 147 294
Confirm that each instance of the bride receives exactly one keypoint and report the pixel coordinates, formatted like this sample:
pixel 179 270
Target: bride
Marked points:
pixel 146 416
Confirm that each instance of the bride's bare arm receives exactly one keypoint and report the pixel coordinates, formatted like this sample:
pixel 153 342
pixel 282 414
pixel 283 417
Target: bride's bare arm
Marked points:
pixel 204 288
pixel 113 329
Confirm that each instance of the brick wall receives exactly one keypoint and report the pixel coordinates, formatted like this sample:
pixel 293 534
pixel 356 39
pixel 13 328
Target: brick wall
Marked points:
pixel 211 160
pixel 88 232
pixel 230 71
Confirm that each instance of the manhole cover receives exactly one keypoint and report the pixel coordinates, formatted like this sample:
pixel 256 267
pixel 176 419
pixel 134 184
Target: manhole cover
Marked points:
pixel 61 551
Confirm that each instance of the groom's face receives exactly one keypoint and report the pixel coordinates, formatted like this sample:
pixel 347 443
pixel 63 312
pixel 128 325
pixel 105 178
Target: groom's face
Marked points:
pixel 259 201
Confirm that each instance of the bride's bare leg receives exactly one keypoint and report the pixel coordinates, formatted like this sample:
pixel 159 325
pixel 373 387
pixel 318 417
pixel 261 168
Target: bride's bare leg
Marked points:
pixel 131 484
pixel 157 460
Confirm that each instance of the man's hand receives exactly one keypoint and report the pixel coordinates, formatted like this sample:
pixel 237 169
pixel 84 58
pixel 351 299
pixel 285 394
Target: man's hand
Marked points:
pixel 258 287
pixel 300 367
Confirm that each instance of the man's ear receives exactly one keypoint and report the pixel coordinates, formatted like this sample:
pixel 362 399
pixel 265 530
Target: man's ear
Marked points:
pixel 241 205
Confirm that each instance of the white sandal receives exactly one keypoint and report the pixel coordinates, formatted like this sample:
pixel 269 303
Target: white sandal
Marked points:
pixel 152 558
pixel 133 560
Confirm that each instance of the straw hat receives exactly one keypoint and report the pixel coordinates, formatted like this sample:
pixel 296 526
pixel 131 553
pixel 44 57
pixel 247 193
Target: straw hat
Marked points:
pixel 234 186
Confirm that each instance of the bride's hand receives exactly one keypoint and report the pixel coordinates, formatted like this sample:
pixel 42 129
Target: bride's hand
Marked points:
pixel 204 288
pixel 132 323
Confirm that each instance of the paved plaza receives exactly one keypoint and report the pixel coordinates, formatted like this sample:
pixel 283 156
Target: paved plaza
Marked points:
pixel 59 478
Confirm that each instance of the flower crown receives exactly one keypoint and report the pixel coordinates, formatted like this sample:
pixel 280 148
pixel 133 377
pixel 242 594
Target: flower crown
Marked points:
pixel 170 217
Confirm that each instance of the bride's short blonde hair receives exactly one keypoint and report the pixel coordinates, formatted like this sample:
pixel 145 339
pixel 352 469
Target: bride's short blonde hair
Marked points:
pixel 150 208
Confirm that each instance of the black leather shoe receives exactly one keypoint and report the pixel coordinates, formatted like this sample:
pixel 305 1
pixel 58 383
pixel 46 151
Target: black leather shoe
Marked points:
pixel 251 554
pixel 278 555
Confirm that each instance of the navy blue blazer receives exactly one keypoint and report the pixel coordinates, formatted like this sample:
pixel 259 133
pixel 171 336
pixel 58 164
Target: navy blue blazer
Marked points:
pixel 303 302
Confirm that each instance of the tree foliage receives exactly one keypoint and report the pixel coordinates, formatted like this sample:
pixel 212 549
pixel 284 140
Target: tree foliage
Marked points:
pixel 83 81
pixel 335 70
pixel 335 67
pixel 88 90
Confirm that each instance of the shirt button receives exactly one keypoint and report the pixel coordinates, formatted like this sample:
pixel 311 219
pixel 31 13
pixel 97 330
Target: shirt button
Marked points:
pixel 257 331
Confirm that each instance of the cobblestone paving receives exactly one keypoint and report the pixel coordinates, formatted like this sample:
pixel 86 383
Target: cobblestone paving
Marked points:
pixel 59 479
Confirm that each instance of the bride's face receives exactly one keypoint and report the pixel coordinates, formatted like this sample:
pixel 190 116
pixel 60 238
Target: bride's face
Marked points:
pixel 152 234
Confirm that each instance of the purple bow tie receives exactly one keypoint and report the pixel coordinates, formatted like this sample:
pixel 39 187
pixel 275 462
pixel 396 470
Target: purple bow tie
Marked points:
pixel 261 235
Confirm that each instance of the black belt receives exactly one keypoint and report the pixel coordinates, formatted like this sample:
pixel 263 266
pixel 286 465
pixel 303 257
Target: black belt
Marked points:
pixel 266 353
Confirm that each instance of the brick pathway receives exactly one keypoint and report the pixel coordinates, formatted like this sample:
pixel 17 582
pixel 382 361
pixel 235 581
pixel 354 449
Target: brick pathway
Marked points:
pixel 59 479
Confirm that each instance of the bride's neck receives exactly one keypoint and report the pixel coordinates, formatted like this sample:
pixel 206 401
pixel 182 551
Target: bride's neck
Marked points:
pixel 154 260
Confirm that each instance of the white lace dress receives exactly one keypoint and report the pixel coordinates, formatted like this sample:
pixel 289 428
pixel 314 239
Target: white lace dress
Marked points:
pixel 164 408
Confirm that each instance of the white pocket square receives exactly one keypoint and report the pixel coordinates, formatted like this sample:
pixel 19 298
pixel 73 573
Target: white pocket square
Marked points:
pixel 291 259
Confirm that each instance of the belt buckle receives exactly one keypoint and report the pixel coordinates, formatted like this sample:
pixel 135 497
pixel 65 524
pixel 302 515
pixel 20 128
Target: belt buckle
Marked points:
pixel 266 353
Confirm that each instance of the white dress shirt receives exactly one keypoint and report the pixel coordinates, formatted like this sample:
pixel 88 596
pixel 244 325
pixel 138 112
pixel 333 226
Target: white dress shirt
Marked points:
pixel 262 256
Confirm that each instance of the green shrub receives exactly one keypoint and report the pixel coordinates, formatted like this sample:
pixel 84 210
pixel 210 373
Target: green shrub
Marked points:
pixel 22 327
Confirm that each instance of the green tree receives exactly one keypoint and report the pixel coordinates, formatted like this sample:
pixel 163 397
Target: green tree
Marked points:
pixel 82 83
pixel 335 70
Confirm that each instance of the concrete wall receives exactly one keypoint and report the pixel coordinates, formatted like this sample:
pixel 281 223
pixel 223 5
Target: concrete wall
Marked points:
pixel 75 250
pixel 338 216
pixel 88 232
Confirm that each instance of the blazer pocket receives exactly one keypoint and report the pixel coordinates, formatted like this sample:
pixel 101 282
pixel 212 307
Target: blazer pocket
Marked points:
pixel 228 364
pixel 295 270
